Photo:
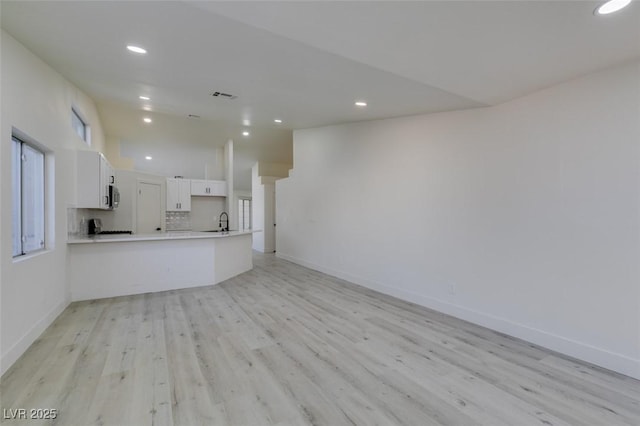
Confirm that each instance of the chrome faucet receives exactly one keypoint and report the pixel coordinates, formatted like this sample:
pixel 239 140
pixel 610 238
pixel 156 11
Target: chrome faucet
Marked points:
pixel 226 222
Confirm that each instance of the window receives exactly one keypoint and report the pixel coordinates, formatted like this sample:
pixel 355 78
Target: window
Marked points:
pixel 27 176
pixel 80 126
pixel 244 214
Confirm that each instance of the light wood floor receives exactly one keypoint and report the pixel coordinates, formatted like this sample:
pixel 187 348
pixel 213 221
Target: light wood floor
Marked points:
pixel 286 345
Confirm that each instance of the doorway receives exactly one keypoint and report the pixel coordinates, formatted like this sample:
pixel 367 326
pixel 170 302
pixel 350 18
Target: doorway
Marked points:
pixel 273 209
pixel 149 207
pixel 244 214
pixel 269 218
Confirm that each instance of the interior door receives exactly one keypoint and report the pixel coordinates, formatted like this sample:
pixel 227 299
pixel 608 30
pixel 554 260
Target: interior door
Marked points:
pixel 273 203
pixel 149 208
pixel 269 218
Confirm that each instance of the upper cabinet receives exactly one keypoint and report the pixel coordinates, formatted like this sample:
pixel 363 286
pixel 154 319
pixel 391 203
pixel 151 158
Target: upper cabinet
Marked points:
pixel 208 188
pixel 180 191
pixel 95 174
pixel 178 195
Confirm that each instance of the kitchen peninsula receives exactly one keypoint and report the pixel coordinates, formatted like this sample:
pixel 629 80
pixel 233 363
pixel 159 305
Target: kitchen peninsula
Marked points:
pixel 119 265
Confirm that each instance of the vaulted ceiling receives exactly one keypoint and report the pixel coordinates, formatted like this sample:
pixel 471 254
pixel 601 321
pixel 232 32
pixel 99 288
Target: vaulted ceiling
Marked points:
pixel 306 63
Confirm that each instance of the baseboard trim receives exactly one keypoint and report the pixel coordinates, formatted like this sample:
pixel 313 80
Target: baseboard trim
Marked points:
pixel 583 351
pixel 264 250
pixel 21 346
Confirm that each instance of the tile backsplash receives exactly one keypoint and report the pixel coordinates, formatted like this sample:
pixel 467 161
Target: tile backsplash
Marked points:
pixel 77 222
pixel 73 226
pixel 178 221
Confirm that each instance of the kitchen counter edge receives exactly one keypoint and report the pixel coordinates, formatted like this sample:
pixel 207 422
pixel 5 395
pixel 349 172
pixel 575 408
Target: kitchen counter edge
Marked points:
pixel 171 235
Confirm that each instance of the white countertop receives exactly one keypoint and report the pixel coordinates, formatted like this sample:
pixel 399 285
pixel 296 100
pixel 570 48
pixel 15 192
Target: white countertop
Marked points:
pixel 171 235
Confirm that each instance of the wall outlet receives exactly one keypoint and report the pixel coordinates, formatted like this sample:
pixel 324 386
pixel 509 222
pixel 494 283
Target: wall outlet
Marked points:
pixel 451 288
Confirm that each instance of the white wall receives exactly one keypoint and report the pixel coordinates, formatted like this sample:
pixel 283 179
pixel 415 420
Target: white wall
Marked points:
pixel 175 158
pixel 37 101
pixel 231 205
pixel 279 170
pixel 205 212
pixel 269 230
pixel 257 208
pixel 524 217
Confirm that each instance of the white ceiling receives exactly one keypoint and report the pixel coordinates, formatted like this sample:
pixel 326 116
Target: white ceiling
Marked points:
pixel 170 134
pixel 487 51
pixel 307 62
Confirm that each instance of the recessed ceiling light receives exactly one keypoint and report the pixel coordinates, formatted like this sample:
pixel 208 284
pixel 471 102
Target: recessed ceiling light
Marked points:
pixel 136 49
pixel 147 120
pixel 144 98
pixel 277 120
pixel 611 6
pixel 148 157
pixel 246 122
pixel 361 103
pixel 245 133
pixel 147 107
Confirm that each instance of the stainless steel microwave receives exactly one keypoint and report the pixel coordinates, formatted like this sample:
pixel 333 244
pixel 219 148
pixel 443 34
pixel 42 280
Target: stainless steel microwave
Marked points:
pixel 114 197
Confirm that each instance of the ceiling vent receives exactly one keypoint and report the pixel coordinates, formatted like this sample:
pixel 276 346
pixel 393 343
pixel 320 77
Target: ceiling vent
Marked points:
pixel 222 95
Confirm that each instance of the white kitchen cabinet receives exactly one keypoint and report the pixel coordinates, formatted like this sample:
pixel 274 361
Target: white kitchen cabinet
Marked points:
pixel 94 174
pixel 178 195
pixel 108 172
pixel 208 188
